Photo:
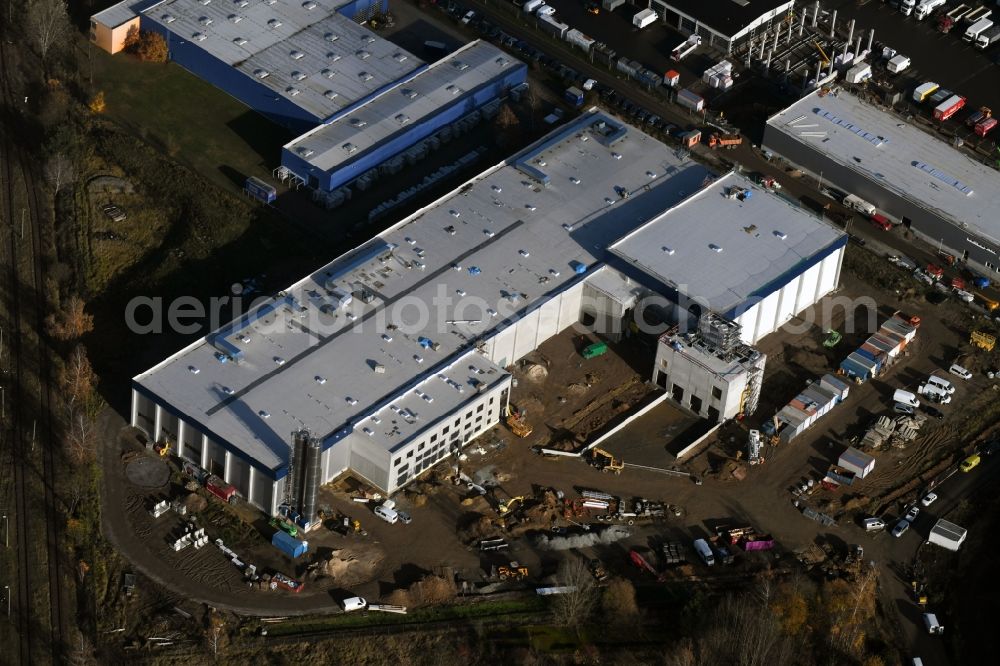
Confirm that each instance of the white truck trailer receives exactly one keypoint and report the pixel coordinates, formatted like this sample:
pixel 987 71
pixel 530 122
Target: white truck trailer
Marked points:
pixel 644 18
pixel 979 27
pixel 925 7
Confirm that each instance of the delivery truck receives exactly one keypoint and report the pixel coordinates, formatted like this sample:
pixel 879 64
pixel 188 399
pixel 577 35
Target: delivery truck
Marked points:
pixel 925 7
pixel 949 107
pixel 988 37
pixel 645 18
pixel 979 27
pixel 924 90
pixel 859 204
pixel 704 552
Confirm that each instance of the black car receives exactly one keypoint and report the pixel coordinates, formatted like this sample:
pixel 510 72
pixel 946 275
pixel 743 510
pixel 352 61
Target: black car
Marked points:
pixel 932 411
pixel 856 239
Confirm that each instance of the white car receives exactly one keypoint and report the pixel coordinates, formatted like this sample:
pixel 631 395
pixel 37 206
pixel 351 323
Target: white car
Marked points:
pixel 545 10
pixel 469 15
pixel 929 499
pixel 388 515
pixel 941 383
pixel 956 369
pixel 900 528
pixel 353 604
pixel 912 514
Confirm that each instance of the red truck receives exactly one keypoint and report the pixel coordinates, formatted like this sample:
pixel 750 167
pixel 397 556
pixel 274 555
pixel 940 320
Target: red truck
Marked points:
pixel 224 491
pixel 949 107
pixel 985 126
pixel 881 221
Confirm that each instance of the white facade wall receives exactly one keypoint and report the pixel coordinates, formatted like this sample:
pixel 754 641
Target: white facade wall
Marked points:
pixel 715 397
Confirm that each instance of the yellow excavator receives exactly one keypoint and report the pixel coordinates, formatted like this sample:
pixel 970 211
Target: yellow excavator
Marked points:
pixel 824 58
pixel 513 572
pixel 517 424
pixel 605 461
pixel 503 508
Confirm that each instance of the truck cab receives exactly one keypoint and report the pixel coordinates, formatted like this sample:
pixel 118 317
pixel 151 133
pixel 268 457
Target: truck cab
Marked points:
pixel 906 7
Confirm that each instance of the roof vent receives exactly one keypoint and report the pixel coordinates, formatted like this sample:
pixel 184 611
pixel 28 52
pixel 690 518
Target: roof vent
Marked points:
pixel 453 89
pixel 365 76
pixel 309 6
pixel 328 73
pixel 241 3
pixel 780 234
pixel 292 91
pixel 193 369
pixel 261 73
pixel 331 37
pixel 714 248
pixel 334 57
pixel 264 414
pixel 297 55
pixel 409 93
pixel 368 431
pixel 205 2
pixel 239 41
pixel 350 147
pixel 199 36
pixel 667 250
pixel 329 94
pixel 364 55
pixel 503 62
pixel 320 380
pixel 459 65
pixel 402 118
pixel 235 18
pixel 298 76
pixel 274 23
pixel 399 56
pixel 205 20
pixel 304 151
pixel 370 39
pixel 358 122
pixel 169 18
pixel 271 2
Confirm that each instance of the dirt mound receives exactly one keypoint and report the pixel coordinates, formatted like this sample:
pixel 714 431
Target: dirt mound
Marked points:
pixel 195 503
pixel 476 527
pixel 536 373
pixel 344 566
pixel 428 591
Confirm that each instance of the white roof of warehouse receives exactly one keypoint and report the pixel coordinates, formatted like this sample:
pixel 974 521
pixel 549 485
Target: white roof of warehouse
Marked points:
pixel 120 13
pixel 320 60
pixel 725 251
pixel 521 237
pixel 352 135
pixel 899 156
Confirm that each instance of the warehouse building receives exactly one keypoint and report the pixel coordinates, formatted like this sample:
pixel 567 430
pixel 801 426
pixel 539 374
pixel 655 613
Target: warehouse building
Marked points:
pixel 378 132
pixel 298 63
pixel 721 23
pixel 942 195
pixel 345 354
pixel 760 262
pixel 394 355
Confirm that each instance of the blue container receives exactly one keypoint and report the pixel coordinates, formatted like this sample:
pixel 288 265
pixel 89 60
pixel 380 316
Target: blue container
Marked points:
pixel 259 190
pixel 288 544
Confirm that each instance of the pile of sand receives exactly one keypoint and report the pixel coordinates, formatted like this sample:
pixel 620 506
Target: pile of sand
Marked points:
pixel 428 591
pixel 195 503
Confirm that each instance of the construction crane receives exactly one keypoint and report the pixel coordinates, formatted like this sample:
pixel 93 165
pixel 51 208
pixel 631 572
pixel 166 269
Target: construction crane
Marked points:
pixel 824 58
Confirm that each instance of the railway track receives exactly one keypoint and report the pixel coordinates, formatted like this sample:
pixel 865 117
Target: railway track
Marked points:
pixel 30 422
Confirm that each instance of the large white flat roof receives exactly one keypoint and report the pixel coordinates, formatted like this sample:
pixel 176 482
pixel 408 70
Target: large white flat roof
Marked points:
pixel 502 240
pixel 394 110
pixel 320 60
pixel 724 250
pixel 899 156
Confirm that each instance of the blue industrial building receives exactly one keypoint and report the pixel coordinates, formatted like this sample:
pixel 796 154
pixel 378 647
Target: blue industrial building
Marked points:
pixel 298 63
pixel 380 131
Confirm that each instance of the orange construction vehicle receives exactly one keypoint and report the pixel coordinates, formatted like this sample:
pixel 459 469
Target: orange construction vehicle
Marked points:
pixel 729 141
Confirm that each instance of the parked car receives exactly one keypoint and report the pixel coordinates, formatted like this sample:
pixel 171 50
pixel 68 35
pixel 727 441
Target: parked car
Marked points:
pixel 912 514
pixel 956 369
pixel 970 463
pixel 353 604
pixel 469 15
pixel 932 411
pixel 388 515
pixel 404 517
pixel 929 499
pixel 900 528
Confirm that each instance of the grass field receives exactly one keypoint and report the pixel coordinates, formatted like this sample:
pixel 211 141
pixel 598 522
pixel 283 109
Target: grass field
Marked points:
pixel 193 121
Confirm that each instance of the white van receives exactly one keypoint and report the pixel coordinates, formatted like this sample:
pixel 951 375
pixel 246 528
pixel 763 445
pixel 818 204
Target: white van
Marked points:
pixel 956 369
pixel 906 398
pixel 388 515
pixel 934 393
pixel 941 383
pixel 874 524
pixel 704 552
pixel 859 204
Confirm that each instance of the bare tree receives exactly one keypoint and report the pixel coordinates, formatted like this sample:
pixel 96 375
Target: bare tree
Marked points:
pixel 574 606
pixel 215 634
pixel 77 379
pixel 80 436
pixel 82 653
pixel 59 172
pixel 48 23
pixel 71 322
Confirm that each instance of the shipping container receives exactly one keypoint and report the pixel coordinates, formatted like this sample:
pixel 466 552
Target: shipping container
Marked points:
pixel 949 107
pixel 574 96
pixel 644 18
pixel 259 190
pixel 690 100
pixel 552 26
pixel 612 5
pixel 580 40
pixel 288 544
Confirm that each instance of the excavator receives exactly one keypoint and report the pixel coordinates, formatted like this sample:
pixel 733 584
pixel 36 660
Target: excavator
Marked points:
pixel 517 424
pixel 605 461
pixel 513 572
pixel 505 507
